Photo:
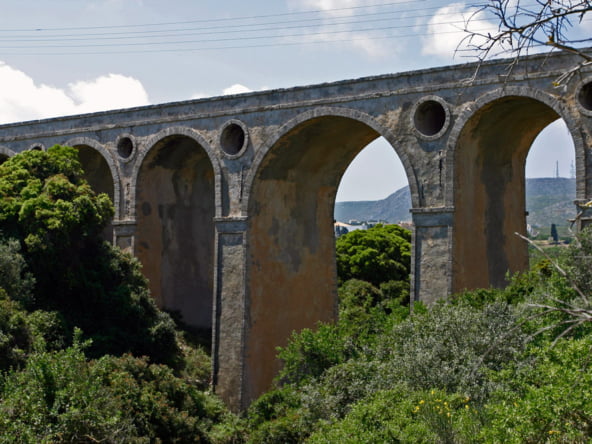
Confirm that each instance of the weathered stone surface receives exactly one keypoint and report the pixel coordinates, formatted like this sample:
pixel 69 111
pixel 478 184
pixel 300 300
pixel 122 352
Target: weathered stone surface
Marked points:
pixel 228 202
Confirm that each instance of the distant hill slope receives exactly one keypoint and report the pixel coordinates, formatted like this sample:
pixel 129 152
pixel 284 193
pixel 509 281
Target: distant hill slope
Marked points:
pixel 548 200
pixel 393 209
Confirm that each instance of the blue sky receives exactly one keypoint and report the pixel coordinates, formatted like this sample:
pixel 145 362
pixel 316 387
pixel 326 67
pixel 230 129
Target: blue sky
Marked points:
pixel 69 56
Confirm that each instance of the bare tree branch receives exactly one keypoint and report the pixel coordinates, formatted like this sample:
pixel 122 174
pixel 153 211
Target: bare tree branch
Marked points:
pixel 524 26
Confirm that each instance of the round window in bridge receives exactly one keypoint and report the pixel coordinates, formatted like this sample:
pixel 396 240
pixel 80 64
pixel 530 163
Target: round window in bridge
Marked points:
pixel 430 117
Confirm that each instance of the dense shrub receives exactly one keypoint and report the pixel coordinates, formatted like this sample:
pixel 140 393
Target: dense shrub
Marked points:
pixel 48 207
pixel 549 401
pixel 56 398
pixel 309 353
pixel 452 348
pixel 14 277
pixel 404 416
pixel 161 406
pixel 16 338
pixel 61 397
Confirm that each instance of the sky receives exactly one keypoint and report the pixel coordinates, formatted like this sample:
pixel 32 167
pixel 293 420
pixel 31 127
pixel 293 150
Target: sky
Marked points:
pixel 65 57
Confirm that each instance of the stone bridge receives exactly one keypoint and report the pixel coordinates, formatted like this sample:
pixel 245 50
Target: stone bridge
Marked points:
pixel 228 202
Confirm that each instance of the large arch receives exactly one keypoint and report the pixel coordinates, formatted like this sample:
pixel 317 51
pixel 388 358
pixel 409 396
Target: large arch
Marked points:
pixel 175 195
pixel 100 172
pixel 490 145
pixel 291 275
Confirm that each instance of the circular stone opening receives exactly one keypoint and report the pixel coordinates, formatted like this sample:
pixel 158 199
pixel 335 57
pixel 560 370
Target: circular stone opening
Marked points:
pixel 36 148
pixel 430 117
pixel 585 96
pixel 125 147
pixel 232 139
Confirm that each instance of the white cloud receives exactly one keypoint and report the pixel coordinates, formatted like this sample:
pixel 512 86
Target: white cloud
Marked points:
pixel 237 88
pixel 22 99
pixel 445 30
pixel 108 92
pixel 332 7
pixel 371 43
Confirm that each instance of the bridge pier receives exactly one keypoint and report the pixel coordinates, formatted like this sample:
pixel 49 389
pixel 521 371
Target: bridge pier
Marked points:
pixel 229 314
pixel 431 259
pixel 123 234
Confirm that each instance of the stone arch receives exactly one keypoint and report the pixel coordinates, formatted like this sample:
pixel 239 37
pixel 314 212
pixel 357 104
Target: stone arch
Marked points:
pixel 175 195
pixel 328 112
pixel 489 145
pixel 147 145
pixel 291 273
pixel 99 169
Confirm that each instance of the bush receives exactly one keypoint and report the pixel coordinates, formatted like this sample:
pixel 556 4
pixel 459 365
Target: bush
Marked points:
pixel 48 207
pixel 404 416
pixel 160 406
pixel 376 255
pixel 550 401
pixel 309 353
pixel 56 398
pixel 276 416
pixel 451 348
pixel 61 397
pixel 14 278
pixel 16 338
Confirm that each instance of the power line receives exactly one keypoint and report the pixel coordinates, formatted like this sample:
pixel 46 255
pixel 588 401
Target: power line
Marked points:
pixel 209 20
pixel 222 29
pixel 233 47
pixel 276 35
pixel 216 40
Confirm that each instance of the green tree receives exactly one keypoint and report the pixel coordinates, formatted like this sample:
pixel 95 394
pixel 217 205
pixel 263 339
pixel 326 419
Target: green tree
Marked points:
pixel 554 234
pixel 377 255
pixel 47 205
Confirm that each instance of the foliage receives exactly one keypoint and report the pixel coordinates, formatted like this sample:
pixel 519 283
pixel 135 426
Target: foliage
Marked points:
pixel 402 415
pixel 276 417
pixel 47 204
pixel 14 277
pixel 577 261
pixel 48 207
pixel 463 343
pixel 62 397
pixel 376 255
pixel 550 401
pixel 16 338
pixel 56 398
pixel 159 405
pixel 309 353
pixel 59 396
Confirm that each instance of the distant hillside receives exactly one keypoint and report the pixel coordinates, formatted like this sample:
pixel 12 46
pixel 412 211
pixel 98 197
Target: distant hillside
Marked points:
pixel 548 200
pixel 393 209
